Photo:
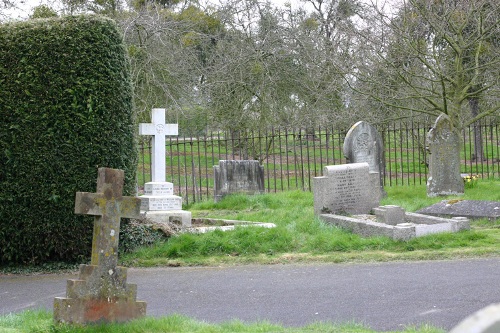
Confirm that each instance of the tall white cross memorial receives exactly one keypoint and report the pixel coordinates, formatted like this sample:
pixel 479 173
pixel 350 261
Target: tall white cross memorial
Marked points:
pixel 159 202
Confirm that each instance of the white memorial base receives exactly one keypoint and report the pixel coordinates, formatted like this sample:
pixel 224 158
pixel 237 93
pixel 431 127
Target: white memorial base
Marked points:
pixel 167 202
pixel 159 204
pixel 171 216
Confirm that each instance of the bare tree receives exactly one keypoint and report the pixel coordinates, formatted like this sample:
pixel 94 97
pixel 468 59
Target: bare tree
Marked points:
pixel 435 57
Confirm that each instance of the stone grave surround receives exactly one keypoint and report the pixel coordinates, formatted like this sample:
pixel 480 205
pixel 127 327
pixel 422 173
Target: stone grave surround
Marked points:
pixel 393 222
pixel 363 143
pixel 346 189
pixel 159 202
pixel 232 176
pixel 101 292
pixel 443 143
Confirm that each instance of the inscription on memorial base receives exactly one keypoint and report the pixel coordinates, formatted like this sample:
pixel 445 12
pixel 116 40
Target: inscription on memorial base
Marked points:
pixel 158 188
pixel 150 203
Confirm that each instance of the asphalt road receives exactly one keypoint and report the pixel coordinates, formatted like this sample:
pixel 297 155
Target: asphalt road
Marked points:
pixel 384 296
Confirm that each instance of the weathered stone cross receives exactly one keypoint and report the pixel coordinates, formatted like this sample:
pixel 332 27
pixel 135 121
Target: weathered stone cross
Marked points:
pixel 109 206
pixel 101 292
pixel 158 129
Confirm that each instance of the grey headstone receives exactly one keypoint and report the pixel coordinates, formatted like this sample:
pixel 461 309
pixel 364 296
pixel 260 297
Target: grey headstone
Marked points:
pixel 466 208
pixel 486 320
pixel 443 142
pixel 363 143
pixel 232 176
pixel 347 188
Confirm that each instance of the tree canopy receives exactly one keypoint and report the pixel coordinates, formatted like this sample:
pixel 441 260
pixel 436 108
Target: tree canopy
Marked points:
pixel 247 64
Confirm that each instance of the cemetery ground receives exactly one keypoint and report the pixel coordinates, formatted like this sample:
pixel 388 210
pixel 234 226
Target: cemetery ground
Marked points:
pixel 301 237
pixel 298 238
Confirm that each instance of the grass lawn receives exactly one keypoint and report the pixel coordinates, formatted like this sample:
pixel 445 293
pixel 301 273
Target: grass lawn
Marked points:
pixel 300 236
pixel 42 322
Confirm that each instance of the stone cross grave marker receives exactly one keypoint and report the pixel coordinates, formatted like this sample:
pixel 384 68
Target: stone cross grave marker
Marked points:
pixel 346 188
pixel 159 202
pixel 363 143
pixel 443 142
pixel 101 293
pixel 158 129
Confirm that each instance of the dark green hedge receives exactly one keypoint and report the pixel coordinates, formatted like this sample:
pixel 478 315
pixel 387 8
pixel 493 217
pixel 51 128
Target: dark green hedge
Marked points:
pixel 65 110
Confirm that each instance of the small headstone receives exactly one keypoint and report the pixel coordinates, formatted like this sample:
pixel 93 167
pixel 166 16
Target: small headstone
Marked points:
pixel 159 202
pixel 346 188
pixel 363 143
pixel 443 143
pixel 486 320
pixel 231 177
pixel 467 208
pixel 101 293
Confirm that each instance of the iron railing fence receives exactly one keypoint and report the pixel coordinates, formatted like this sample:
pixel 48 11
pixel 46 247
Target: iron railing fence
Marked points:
pixel 292 157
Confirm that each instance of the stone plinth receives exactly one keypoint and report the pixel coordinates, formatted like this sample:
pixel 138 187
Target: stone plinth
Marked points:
pixel 347 188
pixel 160 205
pixel 101 294
pixel 154 203
pixel 158 188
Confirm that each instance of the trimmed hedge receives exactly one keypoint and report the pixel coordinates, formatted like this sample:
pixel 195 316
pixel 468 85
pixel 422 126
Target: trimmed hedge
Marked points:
pixel 65 110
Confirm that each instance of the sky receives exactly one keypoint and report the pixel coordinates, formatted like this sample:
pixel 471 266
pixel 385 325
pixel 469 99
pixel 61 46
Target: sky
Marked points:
pixel 25 7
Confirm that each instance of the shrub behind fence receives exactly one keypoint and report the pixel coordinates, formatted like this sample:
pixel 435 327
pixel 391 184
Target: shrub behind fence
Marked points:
pixel 291 157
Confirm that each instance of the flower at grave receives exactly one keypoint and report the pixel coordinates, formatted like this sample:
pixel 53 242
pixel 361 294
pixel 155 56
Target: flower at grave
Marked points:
pixel 470 181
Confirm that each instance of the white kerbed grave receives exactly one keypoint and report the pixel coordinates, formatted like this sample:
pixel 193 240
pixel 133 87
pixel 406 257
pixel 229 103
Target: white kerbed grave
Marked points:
pixel 393 222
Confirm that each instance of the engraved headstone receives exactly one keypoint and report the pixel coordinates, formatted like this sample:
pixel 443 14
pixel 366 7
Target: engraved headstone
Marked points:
pixel 363 143
pixel 101 293
pixel 346 189
pixel 443 142
pixel 159 202
pixel 245 176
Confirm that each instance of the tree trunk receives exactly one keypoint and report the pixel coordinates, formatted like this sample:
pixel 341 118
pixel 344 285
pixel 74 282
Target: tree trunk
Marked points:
pixel 478 154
